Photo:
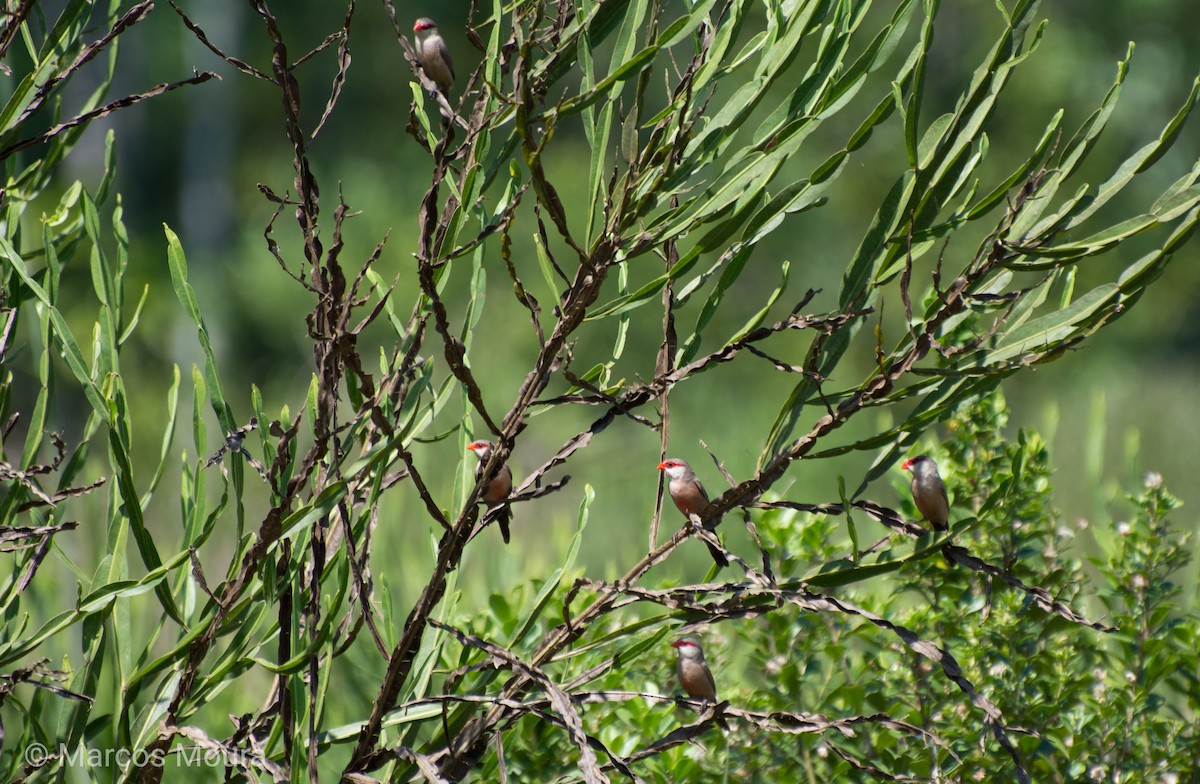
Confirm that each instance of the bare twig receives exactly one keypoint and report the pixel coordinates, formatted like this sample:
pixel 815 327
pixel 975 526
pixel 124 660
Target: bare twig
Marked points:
pixel 103 111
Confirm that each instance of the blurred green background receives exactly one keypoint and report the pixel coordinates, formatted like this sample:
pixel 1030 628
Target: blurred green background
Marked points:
pixel 192 159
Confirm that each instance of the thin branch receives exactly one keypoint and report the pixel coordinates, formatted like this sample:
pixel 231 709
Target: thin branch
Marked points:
pixel 240 65
pixel 103 111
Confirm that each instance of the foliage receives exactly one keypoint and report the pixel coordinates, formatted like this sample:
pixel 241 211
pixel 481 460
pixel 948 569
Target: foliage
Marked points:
pixel 1090 706
pixel 247 622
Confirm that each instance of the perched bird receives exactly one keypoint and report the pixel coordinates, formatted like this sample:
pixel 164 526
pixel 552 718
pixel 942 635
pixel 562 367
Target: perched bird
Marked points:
pixel 497 490
pixel 434 56
pixel 689 496
pixel 694 675
pixel 928 491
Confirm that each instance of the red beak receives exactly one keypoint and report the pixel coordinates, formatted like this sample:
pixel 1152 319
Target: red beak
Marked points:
pixel 907 464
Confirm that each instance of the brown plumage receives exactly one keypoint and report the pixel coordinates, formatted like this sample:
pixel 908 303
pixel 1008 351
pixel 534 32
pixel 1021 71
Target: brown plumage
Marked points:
pixel 928 491
pixel 499 489
pixel 689 497
pixel 694 675
pixel 434 55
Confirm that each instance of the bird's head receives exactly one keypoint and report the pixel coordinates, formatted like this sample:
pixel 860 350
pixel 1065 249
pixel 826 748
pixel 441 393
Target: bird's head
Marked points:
pixel 918 463
pixel 676 469
pixel 481 449
pixel 688 647
pixel 424 25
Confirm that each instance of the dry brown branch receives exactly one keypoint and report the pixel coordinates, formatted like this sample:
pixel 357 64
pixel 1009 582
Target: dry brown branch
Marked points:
pixel 103 111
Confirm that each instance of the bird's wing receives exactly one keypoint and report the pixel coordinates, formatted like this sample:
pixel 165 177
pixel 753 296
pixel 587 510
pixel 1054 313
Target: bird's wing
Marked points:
pixel 445 53
pixel 502 484
pixel 712 684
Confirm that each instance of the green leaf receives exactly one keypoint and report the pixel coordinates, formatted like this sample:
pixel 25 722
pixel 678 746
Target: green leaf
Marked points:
pixel 62 334
pixel 1045 331
pixel 733 269
pixel 1073 155
pixel 310 513
pixel 168 437
pixel 646 292
pixel 757 319
pixel 177 264
pixel 553 582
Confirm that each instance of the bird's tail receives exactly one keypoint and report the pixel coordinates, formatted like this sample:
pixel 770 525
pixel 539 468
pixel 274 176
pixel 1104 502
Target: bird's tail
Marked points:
pixel 717 555
pixel 503 519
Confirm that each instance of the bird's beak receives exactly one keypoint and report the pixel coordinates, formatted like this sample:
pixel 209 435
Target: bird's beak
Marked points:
pixel 661 466
pixel 906 465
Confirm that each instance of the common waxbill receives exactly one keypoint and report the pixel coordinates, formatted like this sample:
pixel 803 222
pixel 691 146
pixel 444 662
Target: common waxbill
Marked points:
pixel 434 56
pixel 928 490
pixel 497 490
pixel 694 675
pixel 689 497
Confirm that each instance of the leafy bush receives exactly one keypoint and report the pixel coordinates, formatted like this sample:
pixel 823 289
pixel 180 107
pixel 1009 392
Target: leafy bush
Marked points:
pixel 256 622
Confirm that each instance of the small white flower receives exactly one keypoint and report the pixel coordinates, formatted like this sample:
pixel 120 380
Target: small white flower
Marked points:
pixel 1096 773
pixel 1139 581
pixel 1130 677
pixel 822 751
pixel 1171 778
pixel 997 669
pixel 1082 524
pixel 1152 480
pixel 775 665
pixel 1062 532
pixel 1099 673
pixel 1123 528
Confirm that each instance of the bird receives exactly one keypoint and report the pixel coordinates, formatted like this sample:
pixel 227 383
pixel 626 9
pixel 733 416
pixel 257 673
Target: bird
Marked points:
pixel 433 54
pixel 498 489
pixel 694 675
pixel 689 496
pixel 928 491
